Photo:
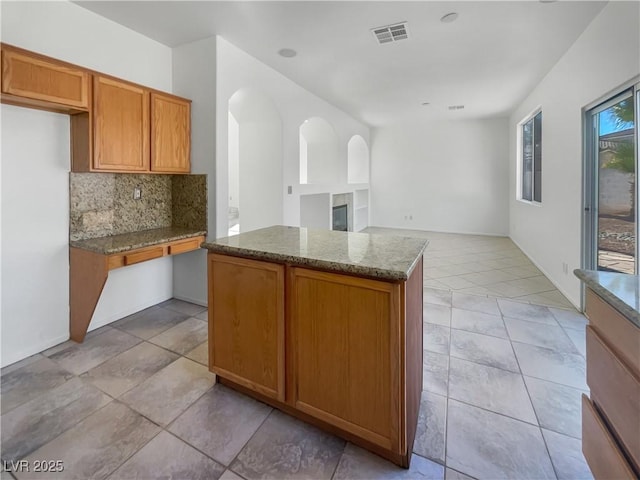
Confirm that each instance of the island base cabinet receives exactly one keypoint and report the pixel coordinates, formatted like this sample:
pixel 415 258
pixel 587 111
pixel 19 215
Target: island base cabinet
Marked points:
pixel 344 342
pixel 246 323
pixel 336 350
pixel 600 448
pixel 611 414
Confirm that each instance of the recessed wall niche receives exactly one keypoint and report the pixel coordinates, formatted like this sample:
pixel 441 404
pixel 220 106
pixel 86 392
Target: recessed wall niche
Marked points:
pixel 319 160
pixel 357 160
pixel 255 161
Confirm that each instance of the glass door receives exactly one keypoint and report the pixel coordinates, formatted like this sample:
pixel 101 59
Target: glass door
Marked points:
pixel 611 189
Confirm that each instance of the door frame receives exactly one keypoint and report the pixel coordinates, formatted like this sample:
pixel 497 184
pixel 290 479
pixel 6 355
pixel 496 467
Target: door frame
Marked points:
pixel 590 139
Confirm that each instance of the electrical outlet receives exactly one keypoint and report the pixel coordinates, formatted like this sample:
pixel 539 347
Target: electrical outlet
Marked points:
pixel 289 189
pixel 565 268
pixel 137 193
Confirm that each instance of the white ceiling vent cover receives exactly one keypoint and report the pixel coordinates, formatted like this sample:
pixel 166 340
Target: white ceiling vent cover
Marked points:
pixel 391 33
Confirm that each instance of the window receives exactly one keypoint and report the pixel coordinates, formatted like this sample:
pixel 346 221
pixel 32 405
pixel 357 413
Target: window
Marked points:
pixel 531 158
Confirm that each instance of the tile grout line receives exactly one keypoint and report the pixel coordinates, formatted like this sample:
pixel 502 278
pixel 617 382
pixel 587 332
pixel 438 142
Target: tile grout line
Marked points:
pixel 250 438
pixel 141 447
pixel 449 356
pixel 75 423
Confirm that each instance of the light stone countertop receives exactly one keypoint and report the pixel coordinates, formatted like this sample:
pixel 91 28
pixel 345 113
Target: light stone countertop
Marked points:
pixel 382 257
pixel 131 241
pixel 620 290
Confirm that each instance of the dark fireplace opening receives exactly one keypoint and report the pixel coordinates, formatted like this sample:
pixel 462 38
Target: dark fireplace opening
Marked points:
pixel 340 222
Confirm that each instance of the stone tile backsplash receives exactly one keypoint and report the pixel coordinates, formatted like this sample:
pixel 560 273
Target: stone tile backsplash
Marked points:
pixel 102 204
pixel 189 201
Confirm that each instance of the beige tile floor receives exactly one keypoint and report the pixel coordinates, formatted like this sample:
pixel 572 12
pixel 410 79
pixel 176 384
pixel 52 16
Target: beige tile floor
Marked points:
pixel 503 373
pixel 483 265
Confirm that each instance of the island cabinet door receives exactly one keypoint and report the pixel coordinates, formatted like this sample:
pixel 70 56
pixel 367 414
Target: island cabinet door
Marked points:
pixel 344 353
pixel 246 323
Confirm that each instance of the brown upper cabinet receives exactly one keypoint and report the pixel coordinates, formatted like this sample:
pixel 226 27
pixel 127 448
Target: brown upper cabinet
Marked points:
pixel 134 129
pixel 120 126
pixel 116 126
pixel 36 81
pixel 170 134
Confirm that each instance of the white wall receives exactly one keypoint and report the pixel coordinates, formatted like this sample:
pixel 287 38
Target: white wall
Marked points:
pixel 321 161
pixel 450 176
pixel 358 160
pixel 260 175
pixel 235 70
pixel 35 231
pixel 234 162
pixel 315 211
pixel 194 77
pixel 35 159
pixel 259 159
pixel 605 56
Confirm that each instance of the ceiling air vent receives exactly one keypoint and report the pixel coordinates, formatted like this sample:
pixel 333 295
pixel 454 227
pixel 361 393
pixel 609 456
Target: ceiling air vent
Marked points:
pixel 391 33
pixel 456 107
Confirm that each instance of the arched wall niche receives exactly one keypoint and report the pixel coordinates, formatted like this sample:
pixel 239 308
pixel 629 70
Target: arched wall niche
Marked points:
pixel 319 160
pixel 255 161
pixel 357 160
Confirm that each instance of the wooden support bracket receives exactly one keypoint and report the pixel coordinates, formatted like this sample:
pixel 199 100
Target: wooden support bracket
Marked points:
pixel 87 276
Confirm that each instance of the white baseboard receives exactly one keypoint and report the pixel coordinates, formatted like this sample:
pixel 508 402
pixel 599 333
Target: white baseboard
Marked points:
pixel 546 274
pixel 97 323
pixel 38 348
pixel 197 301
pixel 456 232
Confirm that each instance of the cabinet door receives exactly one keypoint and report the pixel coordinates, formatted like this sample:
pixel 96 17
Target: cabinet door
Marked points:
pixel 120 125
pixel 616 391
pixel 44 81
pixel 170 134
pixel 344 353
pixel 246 323
pixel 600 449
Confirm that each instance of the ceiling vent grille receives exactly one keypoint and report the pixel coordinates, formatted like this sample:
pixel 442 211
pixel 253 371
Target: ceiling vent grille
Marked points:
pixel 456 107
pixel 391 33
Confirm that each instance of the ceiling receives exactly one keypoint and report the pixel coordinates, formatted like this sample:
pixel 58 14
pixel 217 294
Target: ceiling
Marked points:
pixel 487 60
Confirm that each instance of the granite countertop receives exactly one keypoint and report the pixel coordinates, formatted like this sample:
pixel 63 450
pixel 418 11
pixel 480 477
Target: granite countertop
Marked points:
pixel 131 241
pixel 376 256
pixel 620 290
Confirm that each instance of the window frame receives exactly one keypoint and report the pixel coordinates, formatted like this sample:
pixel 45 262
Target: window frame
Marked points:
pixel 520 159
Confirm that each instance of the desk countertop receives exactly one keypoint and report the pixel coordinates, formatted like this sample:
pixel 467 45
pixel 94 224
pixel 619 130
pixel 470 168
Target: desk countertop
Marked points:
pixel 131 241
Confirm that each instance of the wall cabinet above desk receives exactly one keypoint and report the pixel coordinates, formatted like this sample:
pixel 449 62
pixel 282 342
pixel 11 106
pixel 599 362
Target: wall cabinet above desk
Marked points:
pixel 116 126
pixel 38 82
pixel 170 133
pixel 119 128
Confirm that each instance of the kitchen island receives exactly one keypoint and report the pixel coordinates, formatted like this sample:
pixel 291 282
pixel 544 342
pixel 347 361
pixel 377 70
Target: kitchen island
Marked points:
pixel 324 325
pixel 611 413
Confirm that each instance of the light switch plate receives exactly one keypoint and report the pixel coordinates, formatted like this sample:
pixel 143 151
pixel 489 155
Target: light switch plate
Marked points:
pixel 137 193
